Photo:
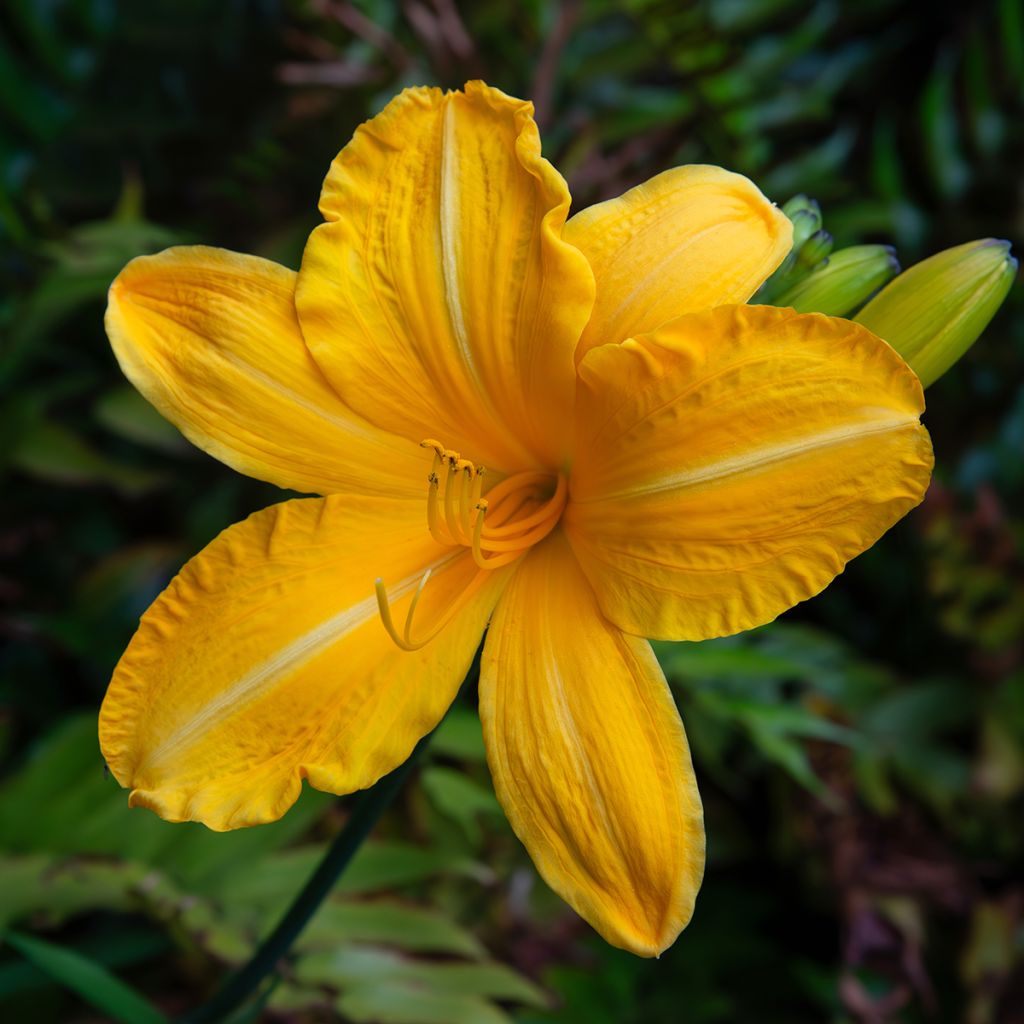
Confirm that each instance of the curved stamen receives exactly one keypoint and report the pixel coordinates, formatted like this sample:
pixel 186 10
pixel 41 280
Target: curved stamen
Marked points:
pixel 404 639
pixel 478 556
pixel 518 482
pixel 540 524
pixel 540 516
pixel 504 510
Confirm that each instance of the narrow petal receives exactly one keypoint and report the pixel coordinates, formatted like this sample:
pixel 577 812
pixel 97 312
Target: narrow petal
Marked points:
pixel 265 662
pixel 689 239
pixel 589 756
pixel 730 464
pixel 211 339
pixel 439 298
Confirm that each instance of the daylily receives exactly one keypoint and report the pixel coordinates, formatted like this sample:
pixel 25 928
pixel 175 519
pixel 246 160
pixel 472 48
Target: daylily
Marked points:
pixel 573 431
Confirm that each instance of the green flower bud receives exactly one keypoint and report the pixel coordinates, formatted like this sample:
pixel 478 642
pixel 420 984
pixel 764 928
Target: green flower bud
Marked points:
pixel 933 312
pixel 848 278
pixel 814 250
pixel 805 214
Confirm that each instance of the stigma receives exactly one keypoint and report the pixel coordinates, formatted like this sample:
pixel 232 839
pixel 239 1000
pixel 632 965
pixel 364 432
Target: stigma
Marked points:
pixel 499 528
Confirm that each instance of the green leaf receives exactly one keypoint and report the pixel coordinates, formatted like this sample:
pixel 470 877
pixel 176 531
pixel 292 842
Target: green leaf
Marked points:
pixel 125 946
pixel 950 174
pixel 272 881
pixel 459 735
pixel 791 757
pixel 386 865
pixel 388 923
pixel 353 967
pixel 53 453
pixel 124 412
pixel 93 983
pixel 460 798
pixel 1011 34
pixel 51 890
pixel 711 659
pixel 74 809
pixel 411 1004
pixel 84 264
pixel 886 164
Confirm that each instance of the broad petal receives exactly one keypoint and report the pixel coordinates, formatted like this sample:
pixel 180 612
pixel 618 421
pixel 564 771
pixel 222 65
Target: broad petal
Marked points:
pixel 211 339
pixel 439 298
pixel 589 756
pixel 689 239
pixel 730 464
pixel 265 662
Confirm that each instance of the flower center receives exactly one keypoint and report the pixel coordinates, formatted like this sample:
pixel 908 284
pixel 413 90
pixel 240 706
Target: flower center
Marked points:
pixel 516 513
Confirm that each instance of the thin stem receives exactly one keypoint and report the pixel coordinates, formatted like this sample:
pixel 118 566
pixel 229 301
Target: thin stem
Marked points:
pixel 369 807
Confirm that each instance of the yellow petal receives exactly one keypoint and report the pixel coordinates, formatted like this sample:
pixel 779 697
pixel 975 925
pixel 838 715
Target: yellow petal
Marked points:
pixel 689 239
pixel 265 662
pixel 439 298
pixel 589 756
pixel 211 339
pixel 730 464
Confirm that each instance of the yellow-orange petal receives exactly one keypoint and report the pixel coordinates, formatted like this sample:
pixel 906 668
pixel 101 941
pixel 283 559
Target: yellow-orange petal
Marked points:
pixel 589 757
pixel 265 662
pixel 687 240
pixel 730 464
pixel 211 339
pixel 439 297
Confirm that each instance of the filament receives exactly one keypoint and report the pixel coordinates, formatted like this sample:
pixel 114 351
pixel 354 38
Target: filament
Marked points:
pixel 404 640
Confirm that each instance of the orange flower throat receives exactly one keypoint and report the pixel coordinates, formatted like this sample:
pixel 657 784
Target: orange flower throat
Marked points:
pixel 517 513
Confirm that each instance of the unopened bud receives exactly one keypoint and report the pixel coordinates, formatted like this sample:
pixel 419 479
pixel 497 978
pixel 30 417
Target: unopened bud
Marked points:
pixel 847 280
pixel 805 214
pixel 814 250
pixel 933 312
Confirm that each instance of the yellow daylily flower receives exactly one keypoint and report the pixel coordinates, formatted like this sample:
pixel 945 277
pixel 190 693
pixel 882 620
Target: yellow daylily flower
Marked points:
pixel 572 430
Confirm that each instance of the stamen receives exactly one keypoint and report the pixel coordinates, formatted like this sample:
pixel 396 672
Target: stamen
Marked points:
pixel 498 529
pixel 469 474
pixel 478 556
pixel 433 486
pixel 436 445
pixel 509 507
pixel 478 485
pixel 451 488
pixel 540 516
pixel 518 482
pixel 404 639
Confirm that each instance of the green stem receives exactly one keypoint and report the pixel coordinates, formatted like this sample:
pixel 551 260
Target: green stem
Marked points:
pixel 369 807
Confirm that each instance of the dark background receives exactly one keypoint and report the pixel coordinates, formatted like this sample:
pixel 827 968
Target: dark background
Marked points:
pixel 861 760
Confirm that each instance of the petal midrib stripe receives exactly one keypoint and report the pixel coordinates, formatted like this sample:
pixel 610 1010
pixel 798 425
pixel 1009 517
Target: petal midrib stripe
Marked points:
pixel 260 678
pixel 342 418
pixel 751 461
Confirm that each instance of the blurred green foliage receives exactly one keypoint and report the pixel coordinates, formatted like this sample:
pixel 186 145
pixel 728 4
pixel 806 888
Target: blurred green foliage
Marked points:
pixel 862 761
